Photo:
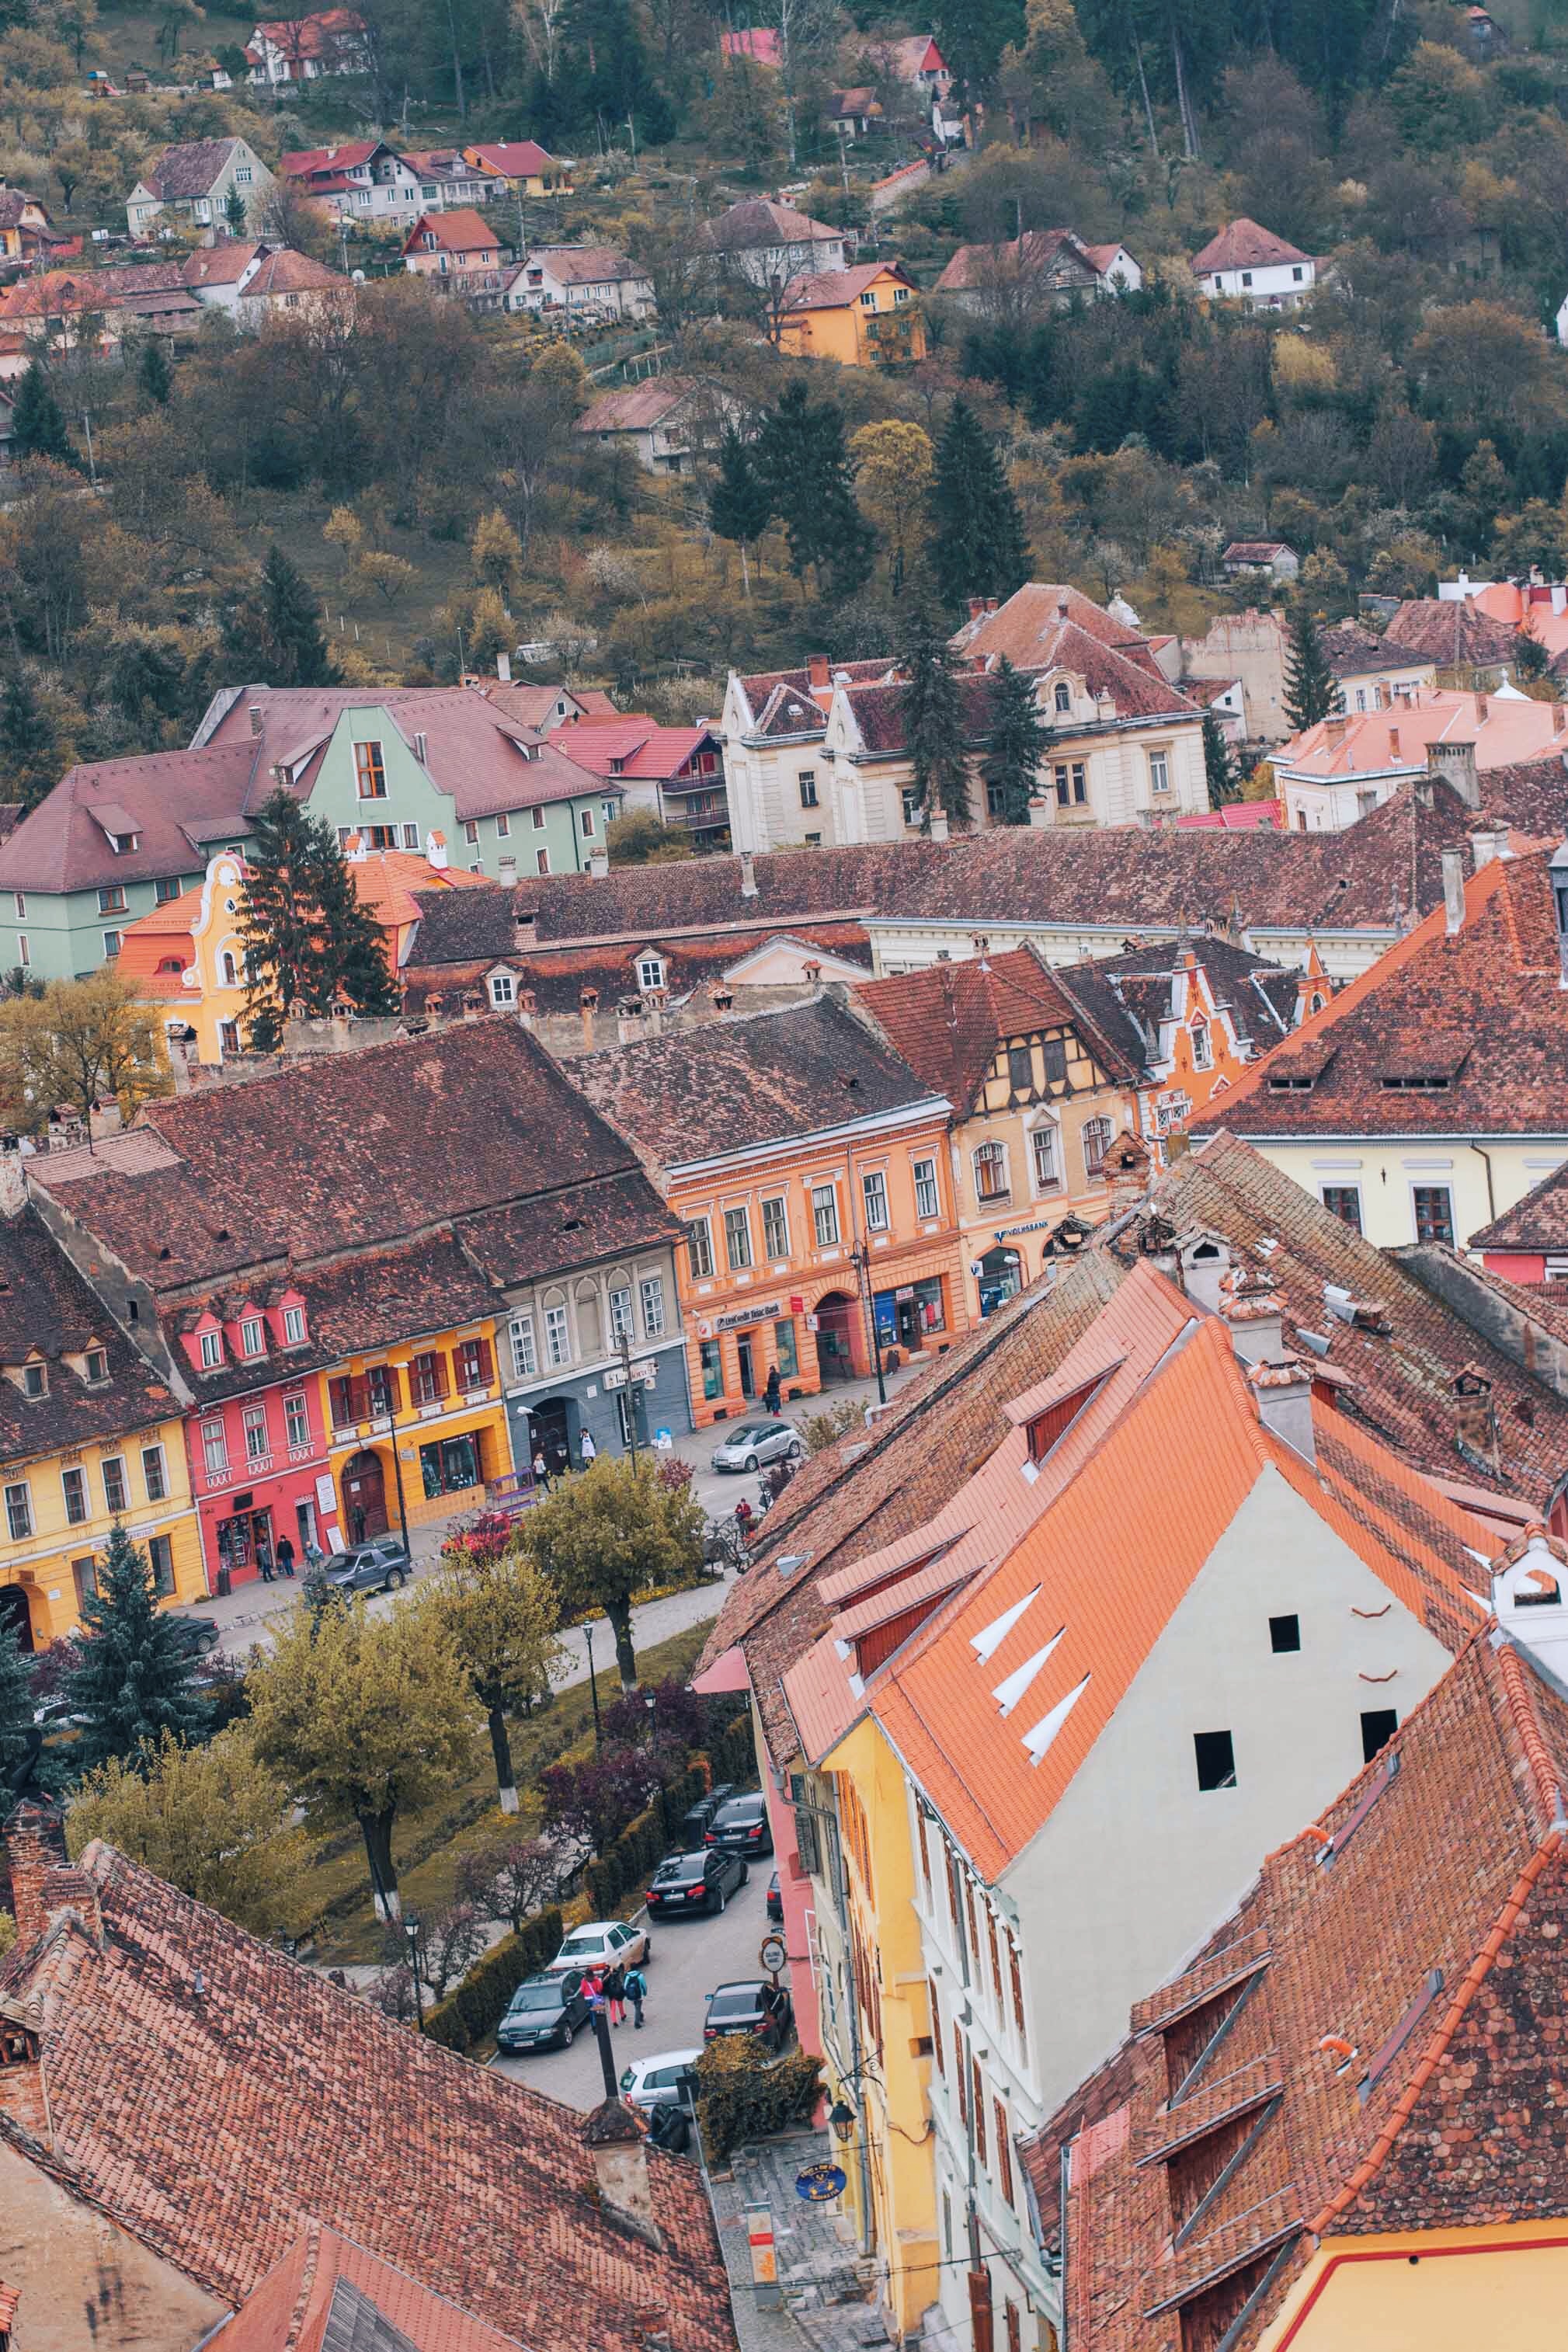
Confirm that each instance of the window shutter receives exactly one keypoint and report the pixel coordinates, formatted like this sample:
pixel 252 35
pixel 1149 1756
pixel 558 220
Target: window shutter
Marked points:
pixel 341 1394
pixel 1017 1995
pixel 394 1387
pixel 979 2095
pixel 961 2075
pixel 360 1397
pixel 1004 2153
pixel 996 1956
pixel 486 1358
pixel 438 1368
pixel 936 2029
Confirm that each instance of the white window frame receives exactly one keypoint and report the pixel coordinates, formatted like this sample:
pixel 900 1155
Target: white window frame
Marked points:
pixel 925 1183
pixel 73 1485
pixel 779 1226
pixel 873 1193
pixel 296 1421
pixel 1045 1130
pixel 650 1291
pixel 19 1510
pixel 1202 1046
pixel 1436 1182
pixel 258 1438
pixel 294 1332
pixel 826 1226
pixel 1159 771
pixel 993 1152
pixel 585 824
pixel 211 1349
pixel 115 1462
pixel 650 972
pixel 525 1347
pixel 623 1324
pixel 253 1336
pixel 155 1474
pixel 738 1228
pixel 557 1338
pixel 502 990
pixel 215 1456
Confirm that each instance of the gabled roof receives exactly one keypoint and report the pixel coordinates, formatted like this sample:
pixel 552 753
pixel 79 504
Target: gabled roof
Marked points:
pixel 643 748
pixel 320 35
pixel 948 1020
pixel 326 2295
pixel 757 223
pixel 514 159
pixel 1455 632
pixel 1127 996
pixel 1506 732
pixel 217 2100
pixel 583 265
pixel 1255 551
pixel 305 163
pixel 1242 244
pixel 461 230
pixel 636 407
pixel 292 273
pixel 1539 1222
pixel 47 1310
pixel 1351 652
pixel 190 171
pixel 835 289
pixel 1038 250
pixel 176 802
pixel 1425 1949
pixel 1024 626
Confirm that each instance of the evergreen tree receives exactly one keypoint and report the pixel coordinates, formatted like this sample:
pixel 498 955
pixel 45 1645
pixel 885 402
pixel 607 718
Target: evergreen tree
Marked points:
pixel 38 422
pixel 235 212
pixel 933 713
pixel 30 759
pixel 803 462
pixel 152 371
pixel 740 507
pixel 274 634
pixel 1010 770
pixel 17 1741
pixel 307 939
pixel 132 1678
pixel 1219 767
pixel 1312 689
pixel 978 546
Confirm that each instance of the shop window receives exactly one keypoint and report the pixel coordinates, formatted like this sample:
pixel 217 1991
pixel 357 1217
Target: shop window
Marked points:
pixel 450 1466
pixel 712 1369
pixel 784 1343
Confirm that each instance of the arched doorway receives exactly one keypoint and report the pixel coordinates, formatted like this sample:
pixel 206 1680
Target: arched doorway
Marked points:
pixel 839 1346
pixel 999 1275
pixel 15 1616
pixel 365 1496
pixel 551 1432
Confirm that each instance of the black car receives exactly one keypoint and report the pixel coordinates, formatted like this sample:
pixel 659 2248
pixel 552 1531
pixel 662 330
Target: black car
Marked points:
pixel 379 1566
pixel 775 1899
pixel 694 1824
pixel 545 2014
pixel 754 2007
pixel 702 1881
pixel 742 1826
pixel 196 1635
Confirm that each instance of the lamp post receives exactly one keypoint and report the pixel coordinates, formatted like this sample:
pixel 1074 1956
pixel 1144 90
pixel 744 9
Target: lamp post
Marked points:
pixel 859 1258
pixel 593 1683
pixel 410 1929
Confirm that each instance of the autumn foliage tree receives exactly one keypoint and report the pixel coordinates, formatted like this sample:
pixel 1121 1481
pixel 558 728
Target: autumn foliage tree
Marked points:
pixel 603 1538
pixel 499 1612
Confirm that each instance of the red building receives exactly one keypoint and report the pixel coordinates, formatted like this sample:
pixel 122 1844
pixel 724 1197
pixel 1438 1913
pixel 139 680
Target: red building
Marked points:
pixel 256 1438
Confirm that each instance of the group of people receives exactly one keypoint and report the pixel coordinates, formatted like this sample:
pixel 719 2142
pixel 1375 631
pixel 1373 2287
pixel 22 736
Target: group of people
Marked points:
pixel 545 1470
pixel 612 1988
pixel 280 1561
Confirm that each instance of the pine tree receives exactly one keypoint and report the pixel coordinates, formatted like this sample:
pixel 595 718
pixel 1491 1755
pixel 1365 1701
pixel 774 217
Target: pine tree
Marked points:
pixel 274 634
pixel 740 507
pixel 803 462
pixel 1217 764
pixel 307 939
pixel 38 422
pixel 16 1738
pixel 1010 770
pixel 1312 689
pixel 353 953
pixel 933 715
pixel 30 759
pixel 234 217
pixel 152 371
pixel 132 1679
pixel 977 545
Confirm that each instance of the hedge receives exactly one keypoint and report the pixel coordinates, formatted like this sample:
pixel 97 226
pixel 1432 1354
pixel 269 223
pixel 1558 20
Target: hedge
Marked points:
pixel 641 1847
pixel 481 2001
pixel 743 2095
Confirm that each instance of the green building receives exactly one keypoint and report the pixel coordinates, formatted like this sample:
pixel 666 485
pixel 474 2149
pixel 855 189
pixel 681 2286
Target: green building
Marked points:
pixel 468 767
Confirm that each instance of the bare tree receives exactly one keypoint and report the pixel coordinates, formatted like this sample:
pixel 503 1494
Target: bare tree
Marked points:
pixel 541 23
pixel 808 31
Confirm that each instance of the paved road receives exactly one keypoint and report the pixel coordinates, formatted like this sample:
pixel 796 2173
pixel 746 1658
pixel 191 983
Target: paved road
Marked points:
pixel 690 1957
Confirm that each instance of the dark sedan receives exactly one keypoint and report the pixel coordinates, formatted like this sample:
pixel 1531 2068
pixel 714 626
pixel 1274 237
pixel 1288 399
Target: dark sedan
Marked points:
pixel 702 1881
pixel 775 1899
pixel 379 1566
pixel 545 2014
pixel 752 2007
pixel 742 1826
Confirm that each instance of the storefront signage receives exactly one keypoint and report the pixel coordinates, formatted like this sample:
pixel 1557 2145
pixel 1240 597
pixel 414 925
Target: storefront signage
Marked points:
pixel 905 1290
pixel 762 1313
pixel 647 1373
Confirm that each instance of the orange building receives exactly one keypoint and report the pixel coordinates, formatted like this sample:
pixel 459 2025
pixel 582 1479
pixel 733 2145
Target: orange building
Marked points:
pixel 866 317
pixel 810 1166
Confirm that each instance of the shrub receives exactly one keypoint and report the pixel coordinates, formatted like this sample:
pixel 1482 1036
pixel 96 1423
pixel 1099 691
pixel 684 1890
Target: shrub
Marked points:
pixel 835 1420
pixel 743 2095
pixel 445 2026
pixel 640 1848
pixel 481 2000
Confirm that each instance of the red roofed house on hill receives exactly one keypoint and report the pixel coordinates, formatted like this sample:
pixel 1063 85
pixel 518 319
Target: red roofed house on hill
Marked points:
pixel 676 773
pixel 665 420
pixel 866 317
pixel 1252 264
pixel 1046 268
pixel 579 278
pixel 363 180
pixel 460 252
pixel 189 187
pixel 528 169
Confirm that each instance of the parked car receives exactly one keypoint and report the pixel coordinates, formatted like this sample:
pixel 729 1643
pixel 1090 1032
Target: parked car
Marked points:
pixel 702 1881
pixel 754 2006
pixel 544 2013
pixel 599 1945
pixel 775 1899
pixel 668 2080
pixel 379 1566
pixel 197 1634
pixel 757 1442
pixel 694 1824
pixel 742 1825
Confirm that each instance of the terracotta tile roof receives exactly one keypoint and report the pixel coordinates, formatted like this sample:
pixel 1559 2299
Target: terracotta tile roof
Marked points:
pixel 1035 251
pixel 701 1094
pixel 515 159
pixel 47 1311
pixel 292 273
pixel 644 749
pixel 636 407
pixel 584 265
pixel 175 2062
pixel 1506 731
pixel 773 693
pixel 1255 550
pixel 1242 244
pixel 547 1236
pixel 1451 630
pixel 1444 1035
pixel 328 2294
pixel 557 980
pixel 300 163
pixel 313 37
pixel 1234 816
pixel 1027 626
pixel 1351 652
pixel 221 264
pixel 461 230
pixel 756 223
pixel 835 289
pixel 1127 996
pixel 176 801
pixel 948 1021
pixel 1539 1222
pixel 1425 1949
pixel 189 170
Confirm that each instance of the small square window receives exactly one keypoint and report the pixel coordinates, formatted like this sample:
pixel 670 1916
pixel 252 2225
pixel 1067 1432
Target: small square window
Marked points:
pixel 1215 1757
pixel 1344 1200
pixel 1284 1633
pixel 1379 1726
pixel 97 1365
pixel 35 1380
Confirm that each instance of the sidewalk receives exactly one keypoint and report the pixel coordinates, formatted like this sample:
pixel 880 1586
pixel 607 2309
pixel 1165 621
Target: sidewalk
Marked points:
pixel 827 2287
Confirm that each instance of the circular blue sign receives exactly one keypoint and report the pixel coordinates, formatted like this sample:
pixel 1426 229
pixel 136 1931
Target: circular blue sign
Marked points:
pixel 818 2182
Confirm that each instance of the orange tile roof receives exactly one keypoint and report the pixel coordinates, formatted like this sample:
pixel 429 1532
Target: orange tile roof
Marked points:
pixel 1395 741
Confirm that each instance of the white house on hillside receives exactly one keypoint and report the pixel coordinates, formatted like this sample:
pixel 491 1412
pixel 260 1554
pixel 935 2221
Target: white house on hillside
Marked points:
pixel 188 187
pixel 1248 263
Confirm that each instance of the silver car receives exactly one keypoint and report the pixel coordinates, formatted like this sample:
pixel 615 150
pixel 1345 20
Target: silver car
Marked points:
pixel 754 1443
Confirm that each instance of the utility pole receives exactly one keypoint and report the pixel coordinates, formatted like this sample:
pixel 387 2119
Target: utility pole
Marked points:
pixel 593 1684
pixel 630 1392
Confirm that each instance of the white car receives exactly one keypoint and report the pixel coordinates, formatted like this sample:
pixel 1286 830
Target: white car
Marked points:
pixel 599 1945
pixel 664 2081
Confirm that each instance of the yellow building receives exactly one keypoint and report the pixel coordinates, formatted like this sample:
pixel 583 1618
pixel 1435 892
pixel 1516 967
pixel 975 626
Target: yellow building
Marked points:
pixel 866 317
pixel 532 170
pixel 90 1435
pixel 418 1428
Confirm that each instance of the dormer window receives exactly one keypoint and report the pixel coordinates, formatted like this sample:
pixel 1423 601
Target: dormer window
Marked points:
pixel 294 1326
pixel 35 1380
pixel 651 974
pixel 124 843
pixel 97 1366
pixel 1062 695
pixel 211 1350
pixel 252 1338
pixel 503 990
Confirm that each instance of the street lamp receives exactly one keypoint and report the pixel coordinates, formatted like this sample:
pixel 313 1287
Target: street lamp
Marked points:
pixel 859 1258
pixel 593 1683
pixel 410 1929
pixel 649 1703
pixel 841 2115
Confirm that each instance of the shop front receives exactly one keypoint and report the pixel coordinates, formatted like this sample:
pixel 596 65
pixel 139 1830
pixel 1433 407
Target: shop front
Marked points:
pixel 610 1404
pixel 911 1314
pixel 818 1335
pixel 417 1436
pixel 258 1466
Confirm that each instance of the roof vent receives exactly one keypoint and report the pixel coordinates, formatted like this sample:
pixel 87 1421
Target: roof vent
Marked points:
pixel 788 1561
pixel 256 725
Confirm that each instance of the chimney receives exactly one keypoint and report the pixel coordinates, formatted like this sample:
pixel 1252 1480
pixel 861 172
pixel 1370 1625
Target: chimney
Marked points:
pixel 1250 1305
pixel 747 875
pixel 13 1176
pixel 1526 1597
pixel 1482 707
pixel 35 1846
pixel 629 1024
pixel 1282 1392
pixel 256 725
pixel 1475 1418
pixel 1062 612
pixel 73 1894
pixel 817 670
pixel 506 871
pixel 527 1005
pixel 504 668
pixel 598 864
pixel 1394 743
pixel 1487 843
pixel 1205 1264
pixel 422 750
pixel 1455 763
pixel 1335 725
pixel 355 848
pixel 991 605
pixel 1126 1172
pixel 976 608
pixel 939 828
pixel 1454 890
pixel 588 1006
pixel 525 929
pixel 435 850
pixel 614 2137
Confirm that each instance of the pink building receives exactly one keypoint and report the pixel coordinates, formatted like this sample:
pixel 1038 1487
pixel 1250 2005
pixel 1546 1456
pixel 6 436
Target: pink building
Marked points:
pixel 256 1437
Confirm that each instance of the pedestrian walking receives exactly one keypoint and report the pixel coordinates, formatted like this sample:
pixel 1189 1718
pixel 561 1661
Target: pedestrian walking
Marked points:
pixel 264 1562
pixel 541 1470
pixel 590 1451
pixel 636 1993
pixel 743 1519
pixel 616 1994
pixel 286 1554
pixel 593 1989
pixel 771 1393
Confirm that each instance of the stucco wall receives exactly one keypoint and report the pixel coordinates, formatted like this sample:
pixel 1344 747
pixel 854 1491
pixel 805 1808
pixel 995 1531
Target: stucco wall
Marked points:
pixel 1387 1173
pixel 86 2285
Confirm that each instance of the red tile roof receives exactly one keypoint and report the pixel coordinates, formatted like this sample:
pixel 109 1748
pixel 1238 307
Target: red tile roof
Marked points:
pixel 1452 631
pixel 292 273
pixel 178 804
pixel 835 289
pixel 515 159
pixel 1234 816
pixel 1242 244
pixel 1037 251
pixel 1539 1222
pixel 757 223
pixel 461 230
pixel 220 2101
pixel 948 1021
pixel 757 42
pixel 1392 2040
